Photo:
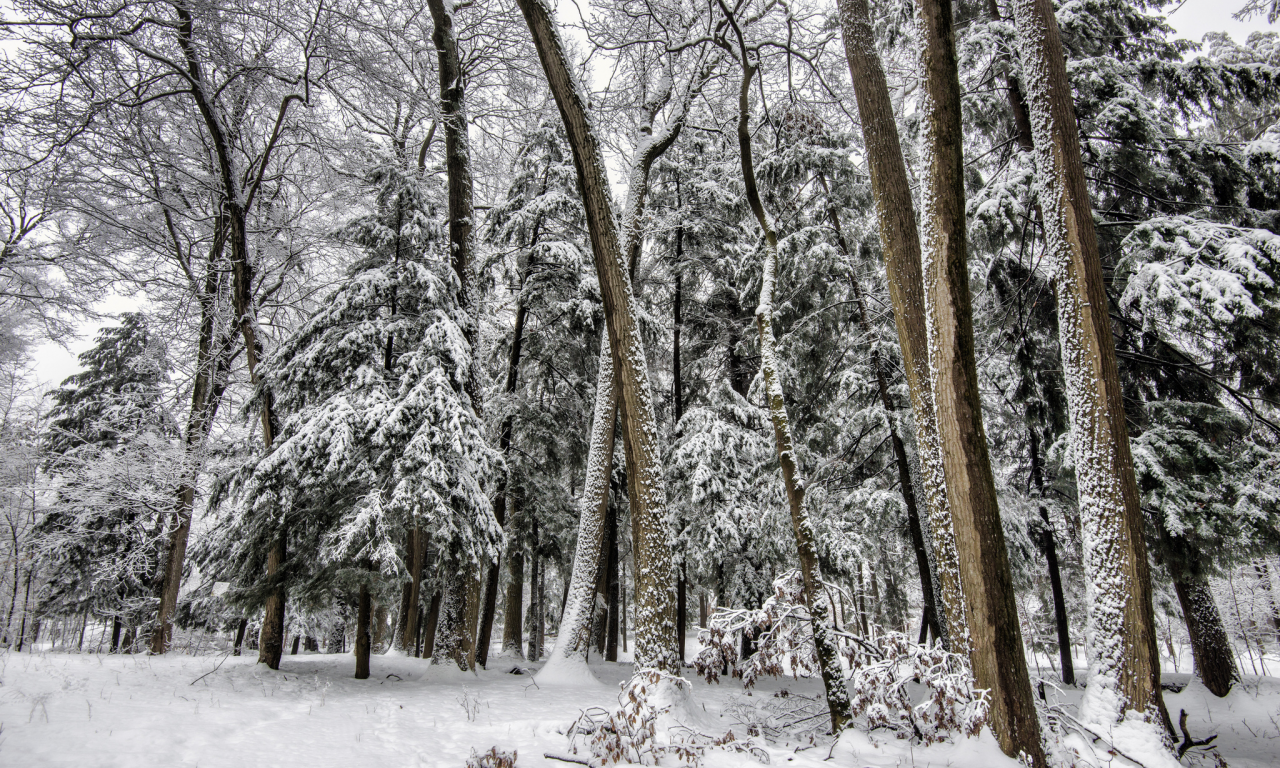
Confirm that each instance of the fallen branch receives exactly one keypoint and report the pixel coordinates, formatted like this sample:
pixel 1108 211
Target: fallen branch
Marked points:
pixel 210 672
pixel 1187 741
pixel 568 759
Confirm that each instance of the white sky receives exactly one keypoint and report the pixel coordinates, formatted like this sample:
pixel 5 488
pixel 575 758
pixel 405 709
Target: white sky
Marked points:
pixel 1193 19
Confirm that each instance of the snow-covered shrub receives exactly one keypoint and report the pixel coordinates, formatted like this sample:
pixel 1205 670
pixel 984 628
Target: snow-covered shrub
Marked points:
pixel 921 692
pixel 780 629
pixel 494 758
pixel 630 734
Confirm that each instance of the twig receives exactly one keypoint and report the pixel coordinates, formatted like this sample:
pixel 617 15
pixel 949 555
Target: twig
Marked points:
pixel 210 672
pixel 1188 742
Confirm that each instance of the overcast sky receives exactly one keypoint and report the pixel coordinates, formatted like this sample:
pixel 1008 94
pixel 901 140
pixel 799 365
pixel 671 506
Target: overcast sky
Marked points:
pixel 1193 19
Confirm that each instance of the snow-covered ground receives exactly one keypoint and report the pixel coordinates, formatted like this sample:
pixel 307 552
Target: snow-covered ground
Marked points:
pixel 98 710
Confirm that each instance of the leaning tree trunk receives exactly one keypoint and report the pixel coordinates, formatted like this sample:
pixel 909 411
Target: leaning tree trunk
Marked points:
pixel 655 641
pixel 806 544
pixel 1050 549
pixel 1124 673
pixel 1210 646
pixel 995 644
pixel 900 244
pixel 212 365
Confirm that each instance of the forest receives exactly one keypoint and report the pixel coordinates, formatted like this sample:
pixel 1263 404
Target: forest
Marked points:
pixel 748 379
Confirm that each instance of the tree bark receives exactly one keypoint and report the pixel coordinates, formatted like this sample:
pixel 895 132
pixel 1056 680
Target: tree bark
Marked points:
pixel 1125 663
pixel 1210 646
pixel 363 620
pixel 412 600
pixel 994 644
pixel 900 245
pixel 431 621
pixel 655 642
pixel 1059 600
pixel 806 545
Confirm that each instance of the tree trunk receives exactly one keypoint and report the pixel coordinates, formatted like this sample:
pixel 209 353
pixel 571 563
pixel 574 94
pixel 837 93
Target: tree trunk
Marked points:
pixel 1059 600
pixel 363 620
pixel 116 626
pixel 806 546
pixel 900 244
pixel 1124 671
pixel 994 643
pixel 535 607
pixel 611 591
pixel 430 621
pixel 1210 646
pixel 654 593
pixel 418 555
pixel 513 605
pixel 212 364
pixel 682 611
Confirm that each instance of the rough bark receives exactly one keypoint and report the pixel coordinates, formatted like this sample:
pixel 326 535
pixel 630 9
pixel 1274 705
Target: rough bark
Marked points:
pixel 412 595
pixel 995 637
pixel 806 545
pixel 900 245
pixel 1124 671
pixel 654 594
pixel 1210 645
pixel 451 621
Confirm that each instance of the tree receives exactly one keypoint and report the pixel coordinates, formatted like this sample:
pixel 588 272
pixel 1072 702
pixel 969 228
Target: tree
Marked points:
pixel 1125 669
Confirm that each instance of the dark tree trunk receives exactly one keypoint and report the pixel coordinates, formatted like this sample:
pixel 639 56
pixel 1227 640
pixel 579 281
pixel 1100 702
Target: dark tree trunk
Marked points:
pixel 240 630
pixel 535 605
pixel 364 614
pixel 682 611
pixel 900 245
pixel 611 593
pixel 1059 600
pixel 116 627
pixel 430 621
pixel 411 600
pixel 1210 645
pixel 297 640
pixel 514 603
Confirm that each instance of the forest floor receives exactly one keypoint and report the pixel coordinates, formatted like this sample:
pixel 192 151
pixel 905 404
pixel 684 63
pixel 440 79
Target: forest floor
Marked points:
pixel 61 709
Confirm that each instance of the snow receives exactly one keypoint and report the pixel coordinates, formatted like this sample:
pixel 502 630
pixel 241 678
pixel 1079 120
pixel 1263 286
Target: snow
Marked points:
pixel 138 711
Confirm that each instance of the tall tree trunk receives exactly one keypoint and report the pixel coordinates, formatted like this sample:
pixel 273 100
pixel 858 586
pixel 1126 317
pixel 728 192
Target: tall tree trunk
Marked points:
pixel 806 545
pixel 611 591
pixel 430 621
pixel 995 638
pixel 363 619
pixel 929 621
pixel 1210 646
pixel 1059 599
pixel 682 610
pixel 655 641
pixel 212 364
pixel 451 623
pixel 900 244
pixel 513 604
pixel 535 598
pixel 413 594
pixel 1124 671
pixel 116 627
